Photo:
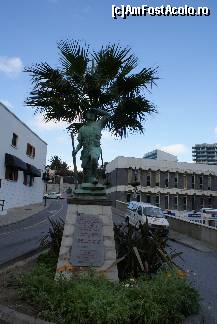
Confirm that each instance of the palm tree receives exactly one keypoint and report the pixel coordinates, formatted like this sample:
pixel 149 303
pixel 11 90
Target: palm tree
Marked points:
pixel 87 79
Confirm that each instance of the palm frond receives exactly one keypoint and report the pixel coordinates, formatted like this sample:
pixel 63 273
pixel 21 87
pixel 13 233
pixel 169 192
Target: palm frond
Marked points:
pixel 74 58
pixel 87 79
pixel 111 61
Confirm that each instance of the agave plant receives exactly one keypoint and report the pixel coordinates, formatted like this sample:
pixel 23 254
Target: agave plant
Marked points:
pixel 53 238
pixel 85 79
pixel 140 251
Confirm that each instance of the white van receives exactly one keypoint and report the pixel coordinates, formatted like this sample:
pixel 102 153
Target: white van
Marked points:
pixel 140 212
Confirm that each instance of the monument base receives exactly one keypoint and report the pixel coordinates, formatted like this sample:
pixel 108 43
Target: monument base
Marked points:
pixel 88 239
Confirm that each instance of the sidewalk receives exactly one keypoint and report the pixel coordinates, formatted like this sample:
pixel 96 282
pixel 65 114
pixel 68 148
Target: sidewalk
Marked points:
pixel 190 242
pixel 20 213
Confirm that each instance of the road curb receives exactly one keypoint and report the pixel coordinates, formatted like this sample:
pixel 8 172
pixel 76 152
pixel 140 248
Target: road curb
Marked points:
pixel 23 219
pixel 10 316
pixel 184 243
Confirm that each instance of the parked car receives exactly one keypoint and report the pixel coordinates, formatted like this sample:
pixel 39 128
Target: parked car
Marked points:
pixel 142 212
pixel 53 195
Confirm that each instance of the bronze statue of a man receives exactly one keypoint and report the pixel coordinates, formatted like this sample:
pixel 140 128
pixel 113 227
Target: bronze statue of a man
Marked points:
pixel 89 137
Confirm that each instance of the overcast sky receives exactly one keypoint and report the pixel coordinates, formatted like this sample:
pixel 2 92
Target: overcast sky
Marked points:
pixel 184 48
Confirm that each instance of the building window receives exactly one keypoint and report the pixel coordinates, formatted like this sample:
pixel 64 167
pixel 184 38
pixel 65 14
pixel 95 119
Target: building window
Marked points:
pixel 193 202
pixel 149 179
pixel 157 200
pixel 30 151
pixel 185 202
pixel 28 180
pixel 137 174
pixel 210 202
pixel 209 182
pixel 128 196
pixel 130 175
pixel 166 182
pixel 201 202
pixel 148 199
pixel 166 199
pixel 176 180
pixel 176 202
pixel 138 197
pixel 11 173
pixel 14 140
pixel 201 182
pixel 157 178
pixel 193 181
pixel 185 181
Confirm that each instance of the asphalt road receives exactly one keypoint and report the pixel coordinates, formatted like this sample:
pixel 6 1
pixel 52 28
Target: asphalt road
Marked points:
pixel 202 269
pixel 24 236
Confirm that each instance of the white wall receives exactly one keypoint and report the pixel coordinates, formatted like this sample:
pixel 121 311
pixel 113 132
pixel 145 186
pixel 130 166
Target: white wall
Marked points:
pixel 155 165
pixel 16 194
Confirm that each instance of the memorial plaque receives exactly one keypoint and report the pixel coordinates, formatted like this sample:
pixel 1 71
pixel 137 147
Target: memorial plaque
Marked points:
pixel 87 246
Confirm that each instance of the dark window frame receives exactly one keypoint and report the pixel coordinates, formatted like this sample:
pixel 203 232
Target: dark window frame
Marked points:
pixel 148 199
pixel 157 200
pixel 11 174
pixel 14 140
pixel 30 150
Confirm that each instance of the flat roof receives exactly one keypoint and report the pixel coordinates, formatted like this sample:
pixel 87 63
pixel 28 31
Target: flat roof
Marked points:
pixel 122 162
pixel 6 108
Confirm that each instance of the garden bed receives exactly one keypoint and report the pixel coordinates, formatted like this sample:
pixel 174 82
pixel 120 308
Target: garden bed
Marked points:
pixel 163 298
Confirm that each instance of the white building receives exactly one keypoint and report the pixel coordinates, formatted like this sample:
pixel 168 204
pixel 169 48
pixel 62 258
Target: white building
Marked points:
pixel 168 184
pixel 160 155
pixel 22 162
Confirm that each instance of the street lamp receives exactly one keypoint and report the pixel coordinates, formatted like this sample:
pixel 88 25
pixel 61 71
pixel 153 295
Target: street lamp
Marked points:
pixel 46 176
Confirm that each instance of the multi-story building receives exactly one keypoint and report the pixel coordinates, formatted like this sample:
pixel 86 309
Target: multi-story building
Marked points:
pixel 168 184
pixel 205 153
pixel 22 162
pixel 160 155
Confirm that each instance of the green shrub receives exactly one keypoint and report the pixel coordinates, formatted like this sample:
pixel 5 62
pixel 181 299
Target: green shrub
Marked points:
pixel 140 251
pixel 53 238
pixel 89 298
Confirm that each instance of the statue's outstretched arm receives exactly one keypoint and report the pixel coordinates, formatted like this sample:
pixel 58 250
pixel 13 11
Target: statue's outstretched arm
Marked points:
pixel 103 112
pixel 105 116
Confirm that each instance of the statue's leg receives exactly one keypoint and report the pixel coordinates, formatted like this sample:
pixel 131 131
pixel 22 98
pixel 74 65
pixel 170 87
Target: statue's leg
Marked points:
pixel 94 167
pixel 86 168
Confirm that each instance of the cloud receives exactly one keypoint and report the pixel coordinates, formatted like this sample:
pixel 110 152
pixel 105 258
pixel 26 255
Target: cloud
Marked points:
pixel 176 149
pixel 6 103
pixel 40 123
pixel 215 130
pixel 11 66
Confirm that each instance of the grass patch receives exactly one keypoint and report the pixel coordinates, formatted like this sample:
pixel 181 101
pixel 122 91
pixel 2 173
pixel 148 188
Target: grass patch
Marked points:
pixel 89 298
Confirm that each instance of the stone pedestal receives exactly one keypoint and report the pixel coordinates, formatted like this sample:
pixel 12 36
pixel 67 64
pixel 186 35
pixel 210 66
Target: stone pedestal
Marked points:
pixel 88 242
